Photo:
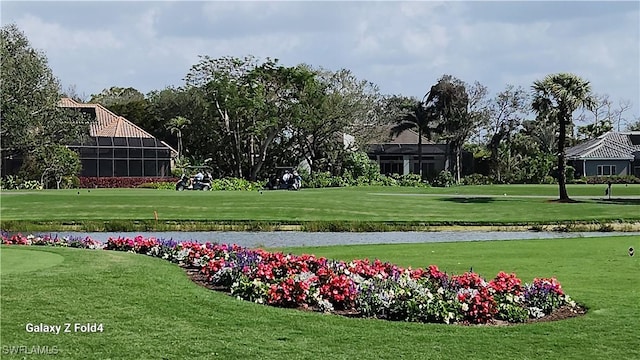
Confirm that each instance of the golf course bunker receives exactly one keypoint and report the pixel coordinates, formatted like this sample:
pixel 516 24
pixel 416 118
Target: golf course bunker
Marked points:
pixel 14 260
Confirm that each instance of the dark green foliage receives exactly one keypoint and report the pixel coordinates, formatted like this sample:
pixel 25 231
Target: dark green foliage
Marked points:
pixel 33 125
pixel 476 179
pixel 121 182
pixel 625 179
pixel 555 98
pixel 444 179
pixel 358 164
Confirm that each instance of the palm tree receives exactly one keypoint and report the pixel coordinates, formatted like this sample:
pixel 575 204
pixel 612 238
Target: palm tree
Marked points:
pixel 415 115
pixel 555 98
pixel 176 125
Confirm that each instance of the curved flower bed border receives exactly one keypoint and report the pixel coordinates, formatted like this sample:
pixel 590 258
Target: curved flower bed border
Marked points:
pixel 357 288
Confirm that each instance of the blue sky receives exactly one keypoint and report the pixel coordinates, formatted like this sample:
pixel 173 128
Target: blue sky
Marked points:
pixel 403 47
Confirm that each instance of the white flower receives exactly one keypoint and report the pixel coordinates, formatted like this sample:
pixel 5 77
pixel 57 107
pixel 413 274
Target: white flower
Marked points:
pixel 465 307
pixel 536 312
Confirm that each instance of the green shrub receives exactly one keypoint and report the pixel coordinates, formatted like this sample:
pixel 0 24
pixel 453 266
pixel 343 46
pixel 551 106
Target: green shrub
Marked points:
pixel 359 164
pixel 444 179
pixel 548 179
pixel 160 185
pixel 235 184
pixel 624 179
pixel 323 179
pixel 412 180
pixel 70 182
pixel 476 179
pixel 10 182
pixel 514 313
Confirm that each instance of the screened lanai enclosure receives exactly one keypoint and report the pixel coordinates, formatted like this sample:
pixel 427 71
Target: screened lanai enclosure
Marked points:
pixel 117 147
pixel 104 156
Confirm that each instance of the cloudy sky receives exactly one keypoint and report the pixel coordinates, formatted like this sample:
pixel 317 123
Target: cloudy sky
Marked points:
pixel 403 47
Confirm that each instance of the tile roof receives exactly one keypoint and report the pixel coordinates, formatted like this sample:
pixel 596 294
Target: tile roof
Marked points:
pixel 107 124
pixel 408 136
pixel 611 145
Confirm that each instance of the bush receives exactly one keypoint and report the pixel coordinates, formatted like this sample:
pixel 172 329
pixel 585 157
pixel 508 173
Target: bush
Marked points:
pixel 624 179
pixel 70 182
pixel 323 179
pixel 358 164
pixel 120 182
pixel 12 182
pixel 412 180
pixel 444 179
pixel 235 184
pixel 159 185
pixel 548 179
pixel 476 179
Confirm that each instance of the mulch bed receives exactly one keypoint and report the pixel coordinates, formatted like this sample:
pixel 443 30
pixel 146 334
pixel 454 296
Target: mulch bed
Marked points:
pixel 561 313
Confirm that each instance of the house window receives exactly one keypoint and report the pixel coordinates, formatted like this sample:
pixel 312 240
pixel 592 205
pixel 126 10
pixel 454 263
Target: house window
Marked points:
pixel 391 165
pixel 606 170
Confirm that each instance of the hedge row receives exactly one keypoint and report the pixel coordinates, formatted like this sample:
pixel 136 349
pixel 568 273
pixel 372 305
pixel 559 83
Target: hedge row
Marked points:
pixel 121 182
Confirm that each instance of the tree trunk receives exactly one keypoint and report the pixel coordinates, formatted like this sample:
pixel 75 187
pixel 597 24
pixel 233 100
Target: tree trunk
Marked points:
pixel 458 170
pixel 263 154
pixel 420 152
pixel 238 150
pixel 494 149
pixel 562 178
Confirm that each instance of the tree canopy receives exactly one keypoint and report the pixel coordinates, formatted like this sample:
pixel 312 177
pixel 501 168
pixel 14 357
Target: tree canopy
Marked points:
pixel 251 116
pixel 555 98
pixel 31 120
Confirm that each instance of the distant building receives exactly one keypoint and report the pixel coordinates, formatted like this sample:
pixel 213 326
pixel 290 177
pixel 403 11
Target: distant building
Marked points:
pixel 612 153
pixel 118 147
pixel 399 155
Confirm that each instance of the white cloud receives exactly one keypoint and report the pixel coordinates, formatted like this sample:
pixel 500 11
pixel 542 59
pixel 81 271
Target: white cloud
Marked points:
pixel 404 47
pixel 147 23
pixel 54 37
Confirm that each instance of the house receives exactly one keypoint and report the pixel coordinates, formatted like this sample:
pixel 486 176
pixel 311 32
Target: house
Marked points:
pixel 612 153
pixel 399 155
pixel 118 147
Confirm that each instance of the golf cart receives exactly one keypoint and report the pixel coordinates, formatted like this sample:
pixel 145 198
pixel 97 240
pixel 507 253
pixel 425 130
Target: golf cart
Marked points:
pixel 199 178
pixel 286 178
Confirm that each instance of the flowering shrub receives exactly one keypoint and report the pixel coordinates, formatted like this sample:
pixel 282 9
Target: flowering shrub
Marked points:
pixel 121 182
pixel 370 289
pixel 48 240
pixel 543 296
pixel 507 291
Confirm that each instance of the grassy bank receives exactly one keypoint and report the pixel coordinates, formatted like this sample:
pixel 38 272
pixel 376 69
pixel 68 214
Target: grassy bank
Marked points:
pixel 341 209
pixel 149 308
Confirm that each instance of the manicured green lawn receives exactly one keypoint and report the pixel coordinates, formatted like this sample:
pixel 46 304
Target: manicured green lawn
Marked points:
pixel 150 310
pixel 27 260
pixel 477 204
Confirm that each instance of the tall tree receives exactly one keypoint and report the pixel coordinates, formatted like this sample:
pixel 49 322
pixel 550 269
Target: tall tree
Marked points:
pixel 507 110
pixel 449 101
pixel 416 115
pixel 221 88
pixel 275 93
pixel 176 125
pixel 173 102
pixel 30 118
pixel 335 103
pixel 248 105
pixel 555 98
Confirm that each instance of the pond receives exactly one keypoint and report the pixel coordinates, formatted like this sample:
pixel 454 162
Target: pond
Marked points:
pixel 293 238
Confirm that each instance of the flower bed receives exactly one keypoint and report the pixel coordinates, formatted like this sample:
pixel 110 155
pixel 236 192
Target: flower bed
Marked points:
pixel 359 288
